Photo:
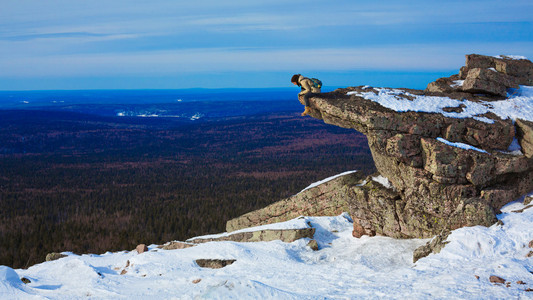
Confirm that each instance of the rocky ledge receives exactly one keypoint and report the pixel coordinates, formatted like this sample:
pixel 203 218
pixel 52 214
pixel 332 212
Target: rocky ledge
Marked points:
pixel 448 158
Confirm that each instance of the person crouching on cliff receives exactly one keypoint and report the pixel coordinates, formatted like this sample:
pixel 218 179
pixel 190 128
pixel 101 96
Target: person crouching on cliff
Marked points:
pixel 310 86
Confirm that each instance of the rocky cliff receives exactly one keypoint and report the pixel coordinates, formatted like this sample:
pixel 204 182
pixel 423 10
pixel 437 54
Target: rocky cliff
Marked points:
pixel 453 154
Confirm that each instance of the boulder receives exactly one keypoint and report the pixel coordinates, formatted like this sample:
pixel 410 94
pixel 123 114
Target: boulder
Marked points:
pixel 434 246
pixel 479 61
pixel 445 85
pixel 519 70
pixel 524 132
pixel 487 81
pixel 476 61
pixel 522 209
pixel 373 208
pixel 313 245
pixel 54 256
pixel 25 280
pixel 267 235
pixel 487 75
pixel 496 279
pixel 214 263
pixel 141 248
pixel 176 245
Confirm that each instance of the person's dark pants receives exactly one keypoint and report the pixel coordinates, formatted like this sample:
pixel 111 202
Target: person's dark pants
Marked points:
pixel 306 98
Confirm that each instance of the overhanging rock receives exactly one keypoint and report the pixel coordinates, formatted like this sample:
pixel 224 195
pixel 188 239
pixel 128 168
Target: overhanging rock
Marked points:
pixel 449 171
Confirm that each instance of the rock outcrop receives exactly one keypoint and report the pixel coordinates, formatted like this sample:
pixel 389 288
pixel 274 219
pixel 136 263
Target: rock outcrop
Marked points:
pixel 496 279
pixel 518 70
pixel 438 186
pixel 266 235
pixel 175 245
pixel 486 75
pixel 141 248
pixel 446 170
pixel 524 132
pixel 434 246
pixel 528 200
pixel 54 256
pixel 25 280
pixel 214 263
pixel 327 199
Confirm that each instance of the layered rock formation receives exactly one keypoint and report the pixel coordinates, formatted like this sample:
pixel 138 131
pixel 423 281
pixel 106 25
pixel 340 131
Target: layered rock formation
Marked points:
pixel 266 235
pixel 487 74
pixel 327 199
pixel 446 170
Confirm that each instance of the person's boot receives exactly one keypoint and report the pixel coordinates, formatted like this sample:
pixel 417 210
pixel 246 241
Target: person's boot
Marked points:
pixel 306 111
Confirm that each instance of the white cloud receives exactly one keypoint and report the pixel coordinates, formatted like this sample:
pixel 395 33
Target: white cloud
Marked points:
pixel 163 17
pixel 401 57
pixel 245 22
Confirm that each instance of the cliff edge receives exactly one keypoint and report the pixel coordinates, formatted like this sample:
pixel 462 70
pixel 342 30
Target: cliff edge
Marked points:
pixel 451 155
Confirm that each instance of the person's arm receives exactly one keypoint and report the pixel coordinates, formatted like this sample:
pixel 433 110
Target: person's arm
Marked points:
pixel 305 86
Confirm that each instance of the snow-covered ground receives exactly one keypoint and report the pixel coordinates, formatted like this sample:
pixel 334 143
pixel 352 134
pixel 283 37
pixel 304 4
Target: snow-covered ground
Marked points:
pixel 344 267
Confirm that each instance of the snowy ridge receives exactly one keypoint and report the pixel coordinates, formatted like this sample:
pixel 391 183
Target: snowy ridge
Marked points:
pixel 519 104
pixel 312 185
pixel 515 57
pixel 344 267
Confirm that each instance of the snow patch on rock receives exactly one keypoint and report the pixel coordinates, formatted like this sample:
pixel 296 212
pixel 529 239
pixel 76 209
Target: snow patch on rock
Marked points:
pixel 460 145
pixel 383 181
pixel 326 180
pixel 518 105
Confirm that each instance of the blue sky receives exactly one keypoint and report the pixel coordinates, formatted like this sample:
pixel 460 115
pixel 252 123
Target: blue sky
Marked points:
pixel 160 44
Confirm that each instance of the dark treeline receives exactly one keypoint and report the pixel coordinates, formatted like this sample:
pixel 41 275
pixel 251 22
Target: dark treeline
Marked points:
pixel 90 184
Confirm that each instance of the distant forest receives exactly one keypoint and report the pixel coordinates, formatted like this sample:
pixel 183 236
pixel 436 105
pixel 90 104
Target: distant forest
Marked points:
pixel 89 184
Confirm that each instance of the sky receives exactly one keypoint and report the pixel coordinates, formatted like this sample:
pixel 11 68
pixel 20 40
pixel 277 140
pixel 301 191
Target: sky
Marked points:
pixel 167 44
